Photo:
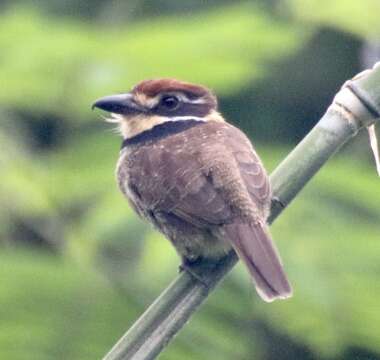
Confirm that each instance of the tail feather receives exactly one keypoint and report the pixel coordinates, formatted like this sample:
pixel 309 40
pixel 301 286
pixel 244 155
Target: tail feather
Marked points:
pixel 256 249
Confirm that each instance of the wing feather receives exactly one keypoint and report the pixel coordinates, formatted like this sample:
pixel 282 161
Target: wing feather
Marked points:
pixel 219 183
pixel 255 248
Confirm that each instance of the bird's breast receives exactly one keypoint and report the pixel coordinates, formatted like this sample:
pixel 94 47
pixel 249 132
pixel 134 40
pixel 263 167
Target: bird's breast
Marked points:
pixel 123 171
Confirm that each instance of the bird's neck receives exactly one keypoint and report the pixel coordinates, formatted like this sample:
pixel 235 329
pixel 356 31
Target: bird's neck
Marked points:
pixel 160 131
pixel 133 126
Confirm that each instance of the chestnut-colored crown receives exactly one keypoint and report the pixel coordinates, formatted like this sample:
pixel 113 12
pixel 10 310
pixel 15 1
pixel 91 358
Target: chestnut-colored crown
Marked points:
pixel 153 87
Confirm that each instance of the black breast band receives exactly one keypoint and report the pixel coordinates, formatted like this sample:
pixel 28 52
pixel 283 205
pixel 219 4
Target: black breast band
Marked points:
pixel 161 131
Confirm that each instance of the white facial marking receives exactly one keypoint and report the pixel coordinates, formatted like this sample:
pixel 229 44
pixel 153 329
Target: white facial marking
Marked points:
pixel 183 98
pixel 184 118
pixel 129 126
pixel 146 101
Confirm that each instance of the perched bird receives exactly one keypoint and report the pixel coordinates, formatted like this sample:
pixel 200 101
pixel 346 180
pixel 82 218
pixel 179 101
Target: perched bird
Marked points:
pixel 196 178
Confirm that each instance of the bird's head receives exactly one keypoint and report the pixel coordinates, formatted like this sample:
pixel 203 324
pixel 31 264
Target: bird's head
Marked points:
pixel 153 102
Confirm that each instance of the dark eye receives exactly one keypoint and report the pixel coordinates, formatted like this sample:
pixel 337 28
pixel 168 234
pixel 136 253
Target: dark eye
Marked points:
pixel 169 102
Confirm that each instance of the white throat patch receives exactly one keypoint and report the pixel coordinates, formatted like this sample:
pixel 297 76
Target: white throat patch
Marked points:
pixel 133 125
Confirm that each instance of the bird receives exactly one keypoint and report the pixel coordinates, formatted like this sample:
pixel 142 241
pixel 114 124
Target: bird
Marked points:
pixel 196 178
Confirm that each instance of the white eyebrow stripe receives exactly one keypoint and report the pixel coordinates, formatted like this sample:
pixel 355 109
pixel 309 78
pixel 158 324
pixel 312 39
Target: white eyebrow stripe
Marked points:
pixel 197 101
pixel 182 97
pixel 153 102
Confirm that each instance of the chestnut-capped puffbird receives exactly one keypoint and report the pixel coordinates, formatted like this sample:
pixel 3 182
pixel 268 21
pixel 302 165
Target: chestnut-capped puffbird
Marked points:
pixel 196 178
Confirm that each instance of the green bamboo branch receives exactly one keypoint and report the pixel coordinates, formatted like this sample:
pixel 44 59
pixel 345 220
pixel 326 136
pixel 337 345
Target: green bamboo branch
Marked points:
pixel 356 105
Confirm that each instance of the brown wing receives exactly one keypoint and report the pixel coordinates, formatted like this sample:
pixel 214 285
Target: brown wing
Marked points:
pixel 192 175
pixel 219 182
pixel 250 166
pixel 186 189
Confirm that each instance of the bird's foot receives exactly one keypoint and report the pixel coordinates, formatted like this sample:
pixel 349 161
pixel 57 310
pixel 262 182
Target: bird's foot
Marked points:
pixel 195 268
pixel 277 200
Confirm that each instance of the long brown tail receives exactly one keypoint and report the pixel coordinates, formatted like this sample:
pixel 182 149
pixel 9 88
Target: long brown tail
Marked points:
pixel 256 249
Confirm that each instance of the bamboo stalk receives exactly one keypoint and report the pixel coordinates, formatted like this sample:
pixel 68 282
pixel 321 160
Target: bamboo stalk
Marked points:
pixel 356 105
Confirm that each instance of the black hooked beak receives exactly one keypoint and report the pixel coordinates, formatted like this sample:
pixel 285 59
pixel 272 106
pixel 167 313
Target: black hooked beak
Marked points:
pixel 118 104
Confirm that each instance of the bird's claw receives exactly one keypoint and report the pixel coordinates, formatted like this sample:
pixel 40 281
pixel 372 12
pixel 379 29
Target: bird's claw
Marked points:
pixel 188 268
pixel 277 200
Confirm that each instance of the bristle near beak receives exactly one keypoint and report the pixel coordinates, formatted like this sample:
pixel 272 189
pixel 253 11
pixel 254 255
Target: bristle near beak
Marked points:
pixel 114 118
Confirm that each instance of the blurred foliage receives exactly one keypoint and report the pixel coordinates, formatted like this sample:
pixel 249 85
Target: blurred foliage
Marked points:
pixel 49 312
pixel 359 18
pixel 65 55
pixel 77 266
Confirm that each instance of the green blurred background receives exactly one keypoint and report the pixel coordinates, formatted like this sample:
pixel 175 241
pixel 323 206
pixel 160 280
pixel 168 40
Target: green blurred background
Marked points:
pixel 76 265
